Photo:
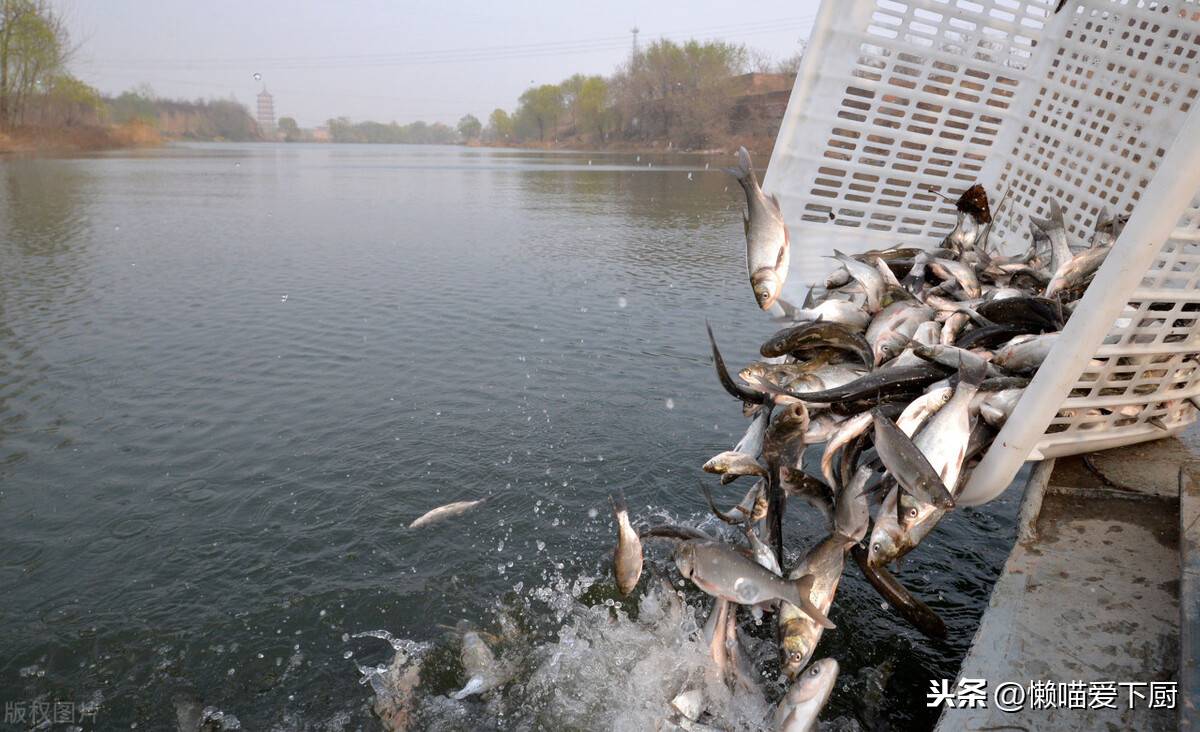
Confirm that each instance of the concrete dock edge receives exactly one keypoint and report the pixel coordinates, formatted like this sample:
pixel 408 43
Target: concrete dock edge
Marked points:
pixel 1189 596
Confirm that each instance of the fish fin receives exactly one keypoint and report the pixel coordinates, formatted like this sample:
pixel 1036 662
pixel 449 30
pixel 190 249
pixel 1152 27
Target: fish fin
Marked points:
pixel 712 505
pixel 475 685
pixel 789 310
pixel 745 165
pixel 972 372
pixel 808 299
pixel 1195 401
pixel 746 222
pixel 804 592
pixel 775 201
pixel 887 433
pixel 1159 423
pixel 618 503
pixel 726 380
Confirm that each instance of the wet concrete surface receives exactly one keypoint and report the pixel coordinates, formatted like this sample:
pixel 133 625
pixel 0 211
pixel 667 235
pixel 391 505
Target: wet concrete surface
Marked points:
pixel 1091 593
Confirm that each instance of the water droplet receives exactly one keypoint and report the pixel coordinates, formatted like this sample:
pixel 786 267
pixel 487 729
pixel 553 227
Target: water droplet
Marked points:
pixel 347 654
pixel 237 165
pixel 283 298
pixel 257 76
pixel 593 513
pixel 670 403
pixel 689 176
pixel 117 227
pixel 541 545
pixel 622 302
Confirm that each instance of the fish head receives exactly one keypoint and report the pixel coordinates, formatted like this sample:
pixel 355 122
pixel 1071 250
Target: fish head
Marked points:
pixel 794 650
pixel 889 541
pixel 817 680
pixel 767 286
pixel 685 559
pixel 889 345
pixel 806 697
pixel 752 373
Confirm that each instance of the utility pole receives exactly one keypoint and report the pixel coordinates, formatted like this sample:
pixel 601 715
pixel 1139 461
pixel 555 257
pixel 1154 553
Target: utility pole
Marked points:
pixel 635 46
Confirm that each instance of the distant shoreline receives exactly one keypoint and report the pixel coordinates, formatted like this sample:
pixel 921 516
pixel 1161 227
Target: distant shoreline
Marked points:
pixel 23 141
pixel 35 141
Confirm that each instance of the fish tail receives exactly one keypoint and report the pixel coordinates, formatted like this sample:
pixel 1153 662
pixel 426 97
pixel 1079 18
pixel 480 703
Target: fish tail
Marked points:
pixel 747 396
pixel 474 685
pixel 972 372
pixel 618 503
pixel 745 168
pixel 803 592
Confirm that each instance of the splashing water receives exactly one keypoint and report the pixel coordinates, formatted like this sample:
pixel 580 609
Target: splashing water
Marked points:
pixel 600 668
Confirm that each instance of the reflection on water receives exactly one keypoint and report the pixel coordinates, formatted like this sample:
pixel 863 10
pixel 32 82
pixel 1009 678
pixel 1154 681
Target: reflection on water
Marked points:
pixel 232 375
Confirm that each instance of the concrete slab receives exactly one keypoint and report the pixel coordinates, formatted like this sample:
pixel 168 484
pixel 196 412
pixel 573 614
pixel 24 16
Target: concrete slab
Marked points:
pixel 1189 592
pixel 1148 467
pixel 1091 594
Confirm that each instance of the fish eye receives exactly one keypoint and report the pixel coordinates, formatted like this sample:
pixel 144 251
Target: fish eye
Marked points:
pixel 815 671
pixel 912 513
pixel 875 547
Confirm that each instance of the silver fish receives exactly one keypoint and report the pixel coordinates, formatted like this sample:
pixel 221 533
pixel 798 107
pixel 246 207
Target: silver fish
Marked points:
pixel 928 333
pixel 483 673
pixel 852 514
pixel 752 442
pixel 762 553
pixel 732 462
pixel 1055 231
pixel 722 572
pixel 444 512
pixel 801 706
pixel 953 326
pixel 835 311
pixel 867 276
pixel 1025 353
pixel 997 405
pixel 767 244
pixel 922 408
pixel 943 441
pixel 627 557
pixel 894 326
pixel 961 273
pixel 908 465
pixel 799 633
pixel 847 431
pixel 1077 270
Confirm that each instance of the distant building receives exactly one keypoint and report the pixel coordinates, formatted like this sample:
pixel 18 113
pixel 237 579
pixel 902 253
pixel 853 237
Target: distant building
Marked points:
pixel 321 134
pixel 266 112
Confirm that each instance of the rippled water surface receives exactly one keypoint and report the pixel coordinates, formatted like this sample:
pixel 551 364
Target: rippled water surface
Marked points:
pixel 230 376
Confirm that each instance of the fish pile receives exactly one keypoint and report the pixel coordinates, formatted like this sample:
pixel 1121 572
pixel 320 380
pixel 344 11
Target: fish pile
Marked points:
pixel 873 405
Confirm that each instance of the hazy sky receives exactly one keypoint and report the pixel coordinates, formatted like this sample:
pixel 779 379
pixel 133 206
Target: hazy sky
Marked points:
pixel 387 61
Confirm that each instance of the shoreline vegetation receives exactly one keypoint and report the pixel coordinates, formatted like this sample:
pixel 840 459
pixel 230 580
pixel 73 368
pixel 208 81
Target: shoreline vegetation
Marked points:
pixel 698 97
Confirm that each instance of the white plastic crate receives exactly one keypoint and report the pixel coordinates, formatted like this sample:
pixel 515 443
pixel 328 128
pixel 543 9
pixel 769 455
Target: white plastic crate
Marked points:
pixel 1092 107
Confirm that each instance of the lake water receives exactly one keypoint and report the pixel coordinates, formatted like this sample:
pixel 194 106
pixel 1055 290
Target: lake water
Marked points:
pixel 230 376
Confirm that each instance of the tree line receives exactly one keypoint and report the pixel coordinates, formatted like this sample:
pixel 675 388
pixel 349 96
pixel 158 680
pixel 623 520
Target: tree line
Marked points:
pixel 34 50
pixel 682 93
pixel 37 91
